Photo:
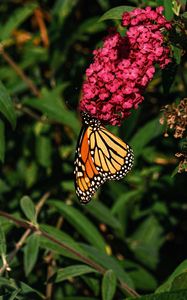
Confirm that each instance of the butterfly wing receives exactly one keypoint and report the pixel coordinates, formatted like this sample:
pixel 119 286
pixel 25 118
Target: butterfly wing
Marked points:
pixel 87 177
pixel 111 156
pixel 100 156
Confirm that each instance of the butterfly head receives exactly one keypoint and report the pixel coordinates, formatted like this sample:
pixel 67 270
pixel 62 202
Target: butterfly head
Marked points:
pixel 90 121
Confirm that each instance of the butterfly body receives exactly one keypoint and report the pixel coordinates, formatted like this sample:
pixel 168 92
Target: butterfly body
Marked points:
pixel 100 156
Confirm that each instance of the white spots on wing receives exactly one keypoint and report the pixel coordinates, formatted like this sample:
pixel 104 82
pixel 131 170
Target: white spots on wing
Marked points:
pixel 79 174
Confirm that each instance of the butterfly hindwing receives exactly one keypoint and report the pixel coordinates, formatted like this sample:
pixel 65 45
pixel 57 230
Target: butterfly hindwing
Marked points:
pixel 87 177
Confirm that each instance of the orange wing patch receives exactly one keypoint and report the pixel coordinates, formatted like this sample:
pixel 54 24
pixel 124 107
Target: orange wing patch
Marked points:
pixel 85 170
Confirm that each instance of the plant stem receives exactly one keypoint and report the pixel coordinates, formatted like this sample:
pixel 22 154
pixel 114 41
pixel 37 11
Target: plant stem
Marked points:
pixel 51 262
pixel 20 72
pixel 84 259
pixel 43 119
pixel 21 241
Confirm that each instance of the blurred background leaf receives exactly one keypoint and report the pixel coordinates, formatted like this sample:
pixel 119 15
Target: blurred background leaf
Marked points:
pixel 28 208
pixel 6 106
pixel 16 19
pixel 115 13
pixel 108 285
pixel 72 271
pixel 2 138
pixel 31 253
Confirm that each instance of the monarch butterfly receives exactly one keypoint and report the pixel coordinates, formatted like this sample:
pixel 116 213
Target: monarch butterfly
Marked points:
pixel 100 156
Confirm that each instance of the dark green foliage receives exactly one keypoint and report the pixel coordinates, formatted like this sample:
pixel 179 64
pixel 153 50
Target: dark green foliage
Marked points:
pixel 116 13
pixel 108 285
pixel 132 235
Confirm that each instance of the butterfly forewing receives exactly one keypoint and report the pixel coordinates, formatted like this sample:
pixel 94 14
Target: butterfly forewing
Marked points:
pixel 112 157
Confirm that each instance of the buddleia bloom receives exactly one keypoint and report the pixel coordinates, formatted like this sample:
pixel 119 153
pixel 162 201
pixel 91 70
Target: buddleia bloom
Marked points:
pixel 123 67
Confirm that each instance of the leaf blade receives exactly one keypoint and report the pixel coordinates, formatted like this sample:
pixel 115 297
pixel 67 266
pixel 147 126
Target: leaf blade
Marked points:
pixel 28 208
pixel 6 106
pixel 108 262
pixel 73 271
pixel 2 139
pixel 81 223
pixel 166 286
pixel 103 213
pixel 108 285
pixel 144 135
pixel 61 236
pixel 52 105
pixel 31 253
pixel 165 296
pixel 116 13
pixel 16 19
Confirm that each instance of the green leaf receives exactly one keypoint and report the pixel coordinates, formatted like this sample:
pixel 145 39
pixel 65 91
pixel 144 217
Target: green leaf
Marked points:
pixel 146 242
pixel 31 253
pixel 178 271
pixel 72 271
pixel 143 279
pixel 81 223
pixel 183 2
pixel 88 27
pixel 6 106
pixel 28 208
pixel 108 285
pixel 108 262
pixel 51 104
pixel 68 185
pixel 15 294
pixel 63 8
pixel 177 54
pixel 81 33
pixel 175 171
pixel 123 206
pixel 43 151
pixel 124 199
pixel 12 284
pixel 61 236
pixel 7 225
pixel 2 139
pixel 147 133
pixel 182 295
pixel 2 240
pixel 49 245
pixel 31 173
pixel 104 4
pixel 103 214
pixel 180 282
pixel 79 298
pixel 168 12
pixel 15 19
pixel 116 13
pixel 129 126
pixel 93 284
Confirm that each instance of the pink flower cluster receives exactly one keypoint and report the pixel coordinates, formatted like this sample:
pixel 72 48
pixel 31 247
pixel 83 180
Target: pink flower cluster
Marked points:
pixel 124 66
